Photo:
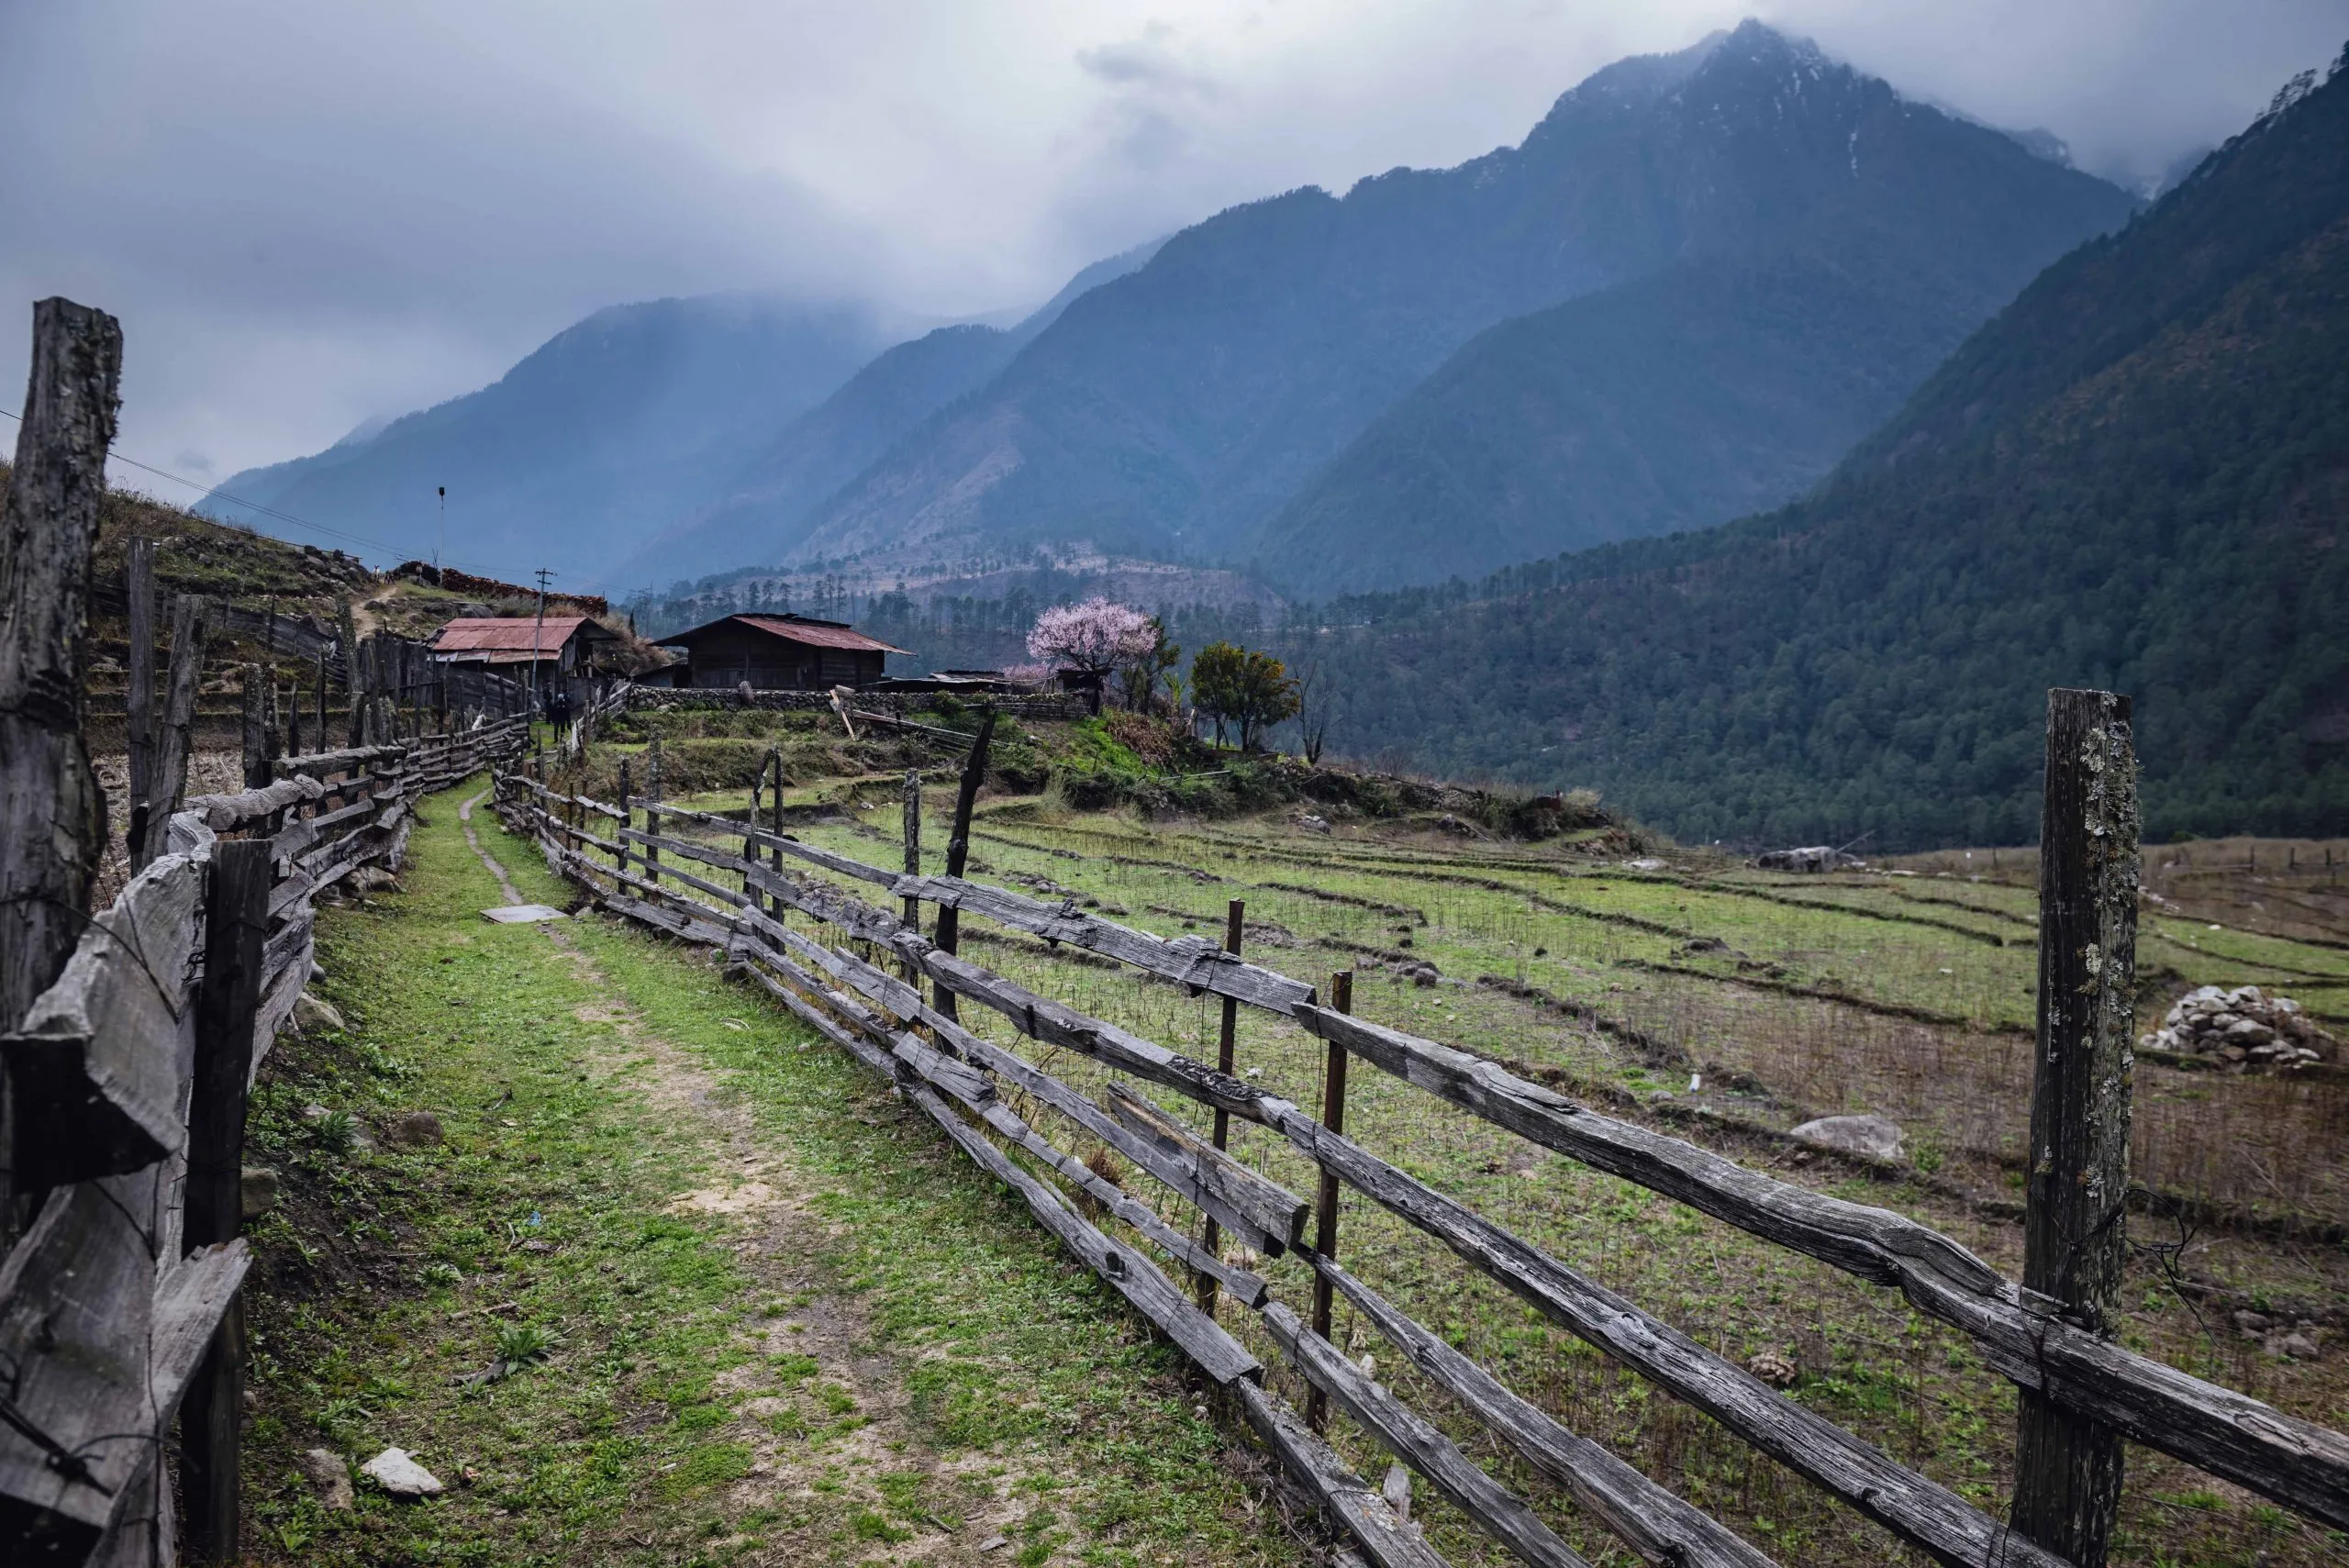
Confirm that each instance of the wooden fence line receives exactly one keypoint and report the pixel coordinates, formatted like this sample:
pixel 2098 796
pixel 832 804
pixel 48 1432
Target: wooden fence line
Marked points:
pixel 2024 1335
pixel 116 1296
pixel 1916 1508
pixel 930 1077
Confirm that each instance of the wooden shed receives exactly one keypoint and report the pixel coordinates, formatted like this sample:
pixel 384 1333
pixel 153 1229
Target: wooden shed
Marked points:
pixel 779 654
pixel 523 646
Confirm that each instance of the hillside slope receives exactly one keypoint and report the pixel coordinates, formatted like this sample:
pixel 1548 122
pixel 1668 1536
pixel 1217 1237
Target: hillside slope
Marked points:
pixel 2136 477
pixel 1173 412
pixel 1703 394
pixel 760 513
pixel 628 415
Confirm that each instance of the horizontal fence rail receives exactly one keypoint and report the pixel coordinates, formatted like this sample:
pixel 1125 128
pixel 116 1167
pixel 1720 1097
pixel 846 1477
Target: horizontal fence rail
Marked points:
pixel 875 1013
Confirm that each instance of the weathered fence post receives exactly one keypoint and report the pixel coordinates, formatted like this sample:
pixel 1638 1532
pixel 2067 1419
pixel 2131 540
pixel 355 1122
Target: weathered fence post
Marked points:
pixel 138 692
pixel 911 912
pixel 958 851
pixel 2067 1467
pixel 256 730
pixel 179 723
pixel 1235 916
pixel 1325 1208
pixel 236 926
pixel 53 817
pixel 774 823
pixel 751 836
pixel 651 817
pixel 627 817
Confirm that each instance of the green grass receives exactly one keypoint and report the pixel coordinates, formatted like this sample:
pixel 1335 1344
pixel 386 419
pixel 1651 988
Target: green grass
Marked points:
pixel 920 1355
pixel 1581 931
pixel 1015 1367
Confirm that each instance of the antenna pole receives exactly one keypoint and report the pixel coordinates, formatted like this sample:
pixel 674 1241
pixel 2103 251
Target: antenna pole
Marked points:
pixel 537 631
pixel 440 535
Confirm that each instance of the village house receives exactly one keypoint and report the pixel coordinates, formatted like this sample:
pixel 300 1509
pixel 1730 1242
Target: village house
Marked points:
pixel 777 652
pixel 545 652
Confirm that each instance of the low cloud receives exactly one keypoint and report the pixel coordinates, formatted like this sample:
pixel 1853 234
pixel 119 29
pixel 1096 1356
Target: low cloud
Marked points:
pixel 309 215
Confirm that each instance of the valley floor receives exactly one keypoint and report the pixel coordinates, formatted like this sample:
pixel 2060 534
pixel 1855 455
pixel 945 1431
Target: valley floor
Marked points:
pixel 791 1324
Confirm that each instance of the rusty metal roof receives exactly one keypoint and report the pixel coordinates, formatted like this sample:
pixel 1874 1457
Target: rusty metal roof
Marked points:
pixel 790 628
pixel 510 634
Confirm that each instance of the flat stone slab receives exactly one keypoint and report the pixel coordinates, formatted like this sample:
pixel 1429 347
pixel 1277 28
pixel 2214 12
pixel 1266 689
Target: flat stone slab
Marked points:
pixel 522 914
pixel 396 1471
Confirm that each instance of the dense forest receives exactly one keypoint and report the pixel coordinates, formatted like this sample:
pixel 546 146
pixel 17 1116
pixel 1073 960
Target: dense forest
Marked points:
pixel 2135 478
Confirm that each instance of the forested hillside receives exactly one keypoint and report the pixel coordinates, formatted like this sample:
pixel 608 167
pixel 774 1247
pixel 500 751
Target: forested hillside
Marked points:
pixel 1172 414
pixel 2136 477
pixel 1868 234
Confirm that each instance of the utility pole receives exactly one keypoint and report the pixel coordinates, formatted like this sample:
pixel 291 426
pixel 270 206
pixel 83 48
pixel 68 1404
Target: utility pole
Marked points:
pixel 440 535
pixel 538 630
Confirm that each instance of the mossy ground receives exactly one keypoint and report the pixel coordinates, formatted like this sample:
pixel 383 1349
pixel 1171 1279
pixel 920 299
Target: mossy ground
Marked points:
pixel 789 1323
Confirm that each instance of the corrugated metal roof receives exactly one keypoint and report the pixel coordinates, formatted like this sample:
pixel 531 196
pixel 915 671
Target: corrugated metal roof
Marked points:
pixel 497 655
pixel 808 634
pixel 473 633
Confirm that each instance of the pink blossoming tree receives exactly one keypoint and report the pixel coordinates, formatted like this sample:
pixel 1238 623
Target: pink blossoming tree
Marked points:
pixel 1097 637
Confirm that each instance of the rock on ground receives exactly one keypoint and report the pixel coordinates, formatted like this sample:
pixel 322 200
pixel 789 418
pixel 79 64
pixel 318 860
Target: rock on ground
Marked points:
pixel 1877 1138
pixel 2244 1029
pixel 257 1193
pixel 326 1470
pixel 396 1471
pixel 309 1013
pixel 414 1128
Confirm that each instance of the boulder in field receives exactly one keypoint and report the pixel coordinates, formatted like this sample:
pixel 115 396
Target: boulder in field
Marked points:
pixel 1872 1137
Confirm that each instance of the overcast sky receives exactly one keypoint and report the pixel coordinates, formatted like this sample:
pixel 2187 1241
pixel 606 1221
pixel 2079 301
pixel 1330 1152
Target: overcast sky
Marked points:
pixel 310 214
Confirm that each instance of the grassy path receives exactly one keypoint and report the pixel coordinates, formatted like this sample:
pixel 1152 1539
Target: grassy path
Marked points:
pixel 782 1321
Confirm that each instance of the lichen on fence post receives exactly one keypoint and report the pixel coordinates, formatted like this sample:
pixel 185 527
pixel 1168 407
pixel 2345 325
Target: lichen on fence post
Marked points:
pixel 52 815
pixel 2067 1467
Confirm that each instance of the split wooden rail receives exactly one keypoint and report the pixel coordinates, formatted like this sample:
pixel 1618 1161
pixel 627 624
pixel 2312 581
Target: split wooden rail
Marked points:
pixel 2046 1340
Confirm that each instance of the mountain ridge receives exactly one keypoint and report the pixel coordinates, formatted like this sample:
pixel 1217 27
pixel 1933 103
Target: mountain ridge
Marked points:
pixel 753 518
pixel 2135 476
pixel 1728 380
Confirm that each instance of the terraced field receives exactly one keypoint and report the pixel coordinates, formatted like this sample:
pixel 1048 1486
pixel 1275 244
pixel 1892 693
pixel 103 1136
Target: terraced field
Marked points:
pixel 1726 1005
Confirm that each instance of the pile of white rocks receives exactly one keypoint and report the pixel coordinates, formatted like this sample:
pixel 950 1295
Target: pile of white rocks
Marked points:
pixel 2243 1028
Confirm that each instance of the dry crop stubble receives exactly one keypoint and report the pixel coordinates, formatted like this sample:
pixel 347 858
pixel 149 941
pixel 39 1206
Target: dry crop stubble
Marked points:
pixel 1961 1090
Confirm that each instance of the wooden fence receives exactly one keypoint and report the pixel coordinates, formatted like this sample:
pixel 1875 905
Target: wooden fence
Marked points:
pixel 128 1077
pixel 129 1035
pixel 2081 1391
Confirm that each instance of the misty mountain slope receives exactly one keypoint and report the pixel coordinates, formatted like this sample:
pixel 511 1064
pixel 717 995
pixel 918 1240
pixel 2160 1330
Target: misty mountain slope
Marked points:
pixel 2135 477
pixel 613 424
pixel 1177 410
pixel 761 511
pixel 1699 395
pixel 1867 237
